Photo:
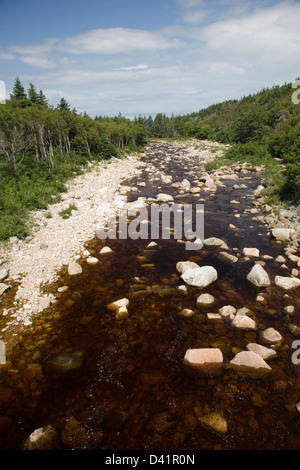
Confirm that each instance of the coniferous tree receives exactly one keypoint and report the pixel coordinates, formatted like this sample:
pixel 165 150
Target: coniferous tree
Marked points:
pixel 32 94
pixel 63 105
pixel 42 99
pixel 19 94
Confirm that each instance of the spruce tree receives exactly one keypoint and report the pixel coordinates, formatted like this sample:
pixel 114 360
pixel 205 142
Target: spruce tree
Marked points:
pixel 19 94
pixel 32 94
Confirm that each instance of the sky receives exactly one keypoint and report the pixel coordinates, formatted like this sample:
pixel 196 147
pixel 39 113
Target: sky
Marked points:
pixel 143 57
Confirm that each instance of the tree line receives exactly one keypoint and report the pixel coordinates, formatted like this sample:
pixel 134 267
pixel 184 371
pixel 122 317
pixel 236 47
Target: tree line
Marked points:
pixel 41 146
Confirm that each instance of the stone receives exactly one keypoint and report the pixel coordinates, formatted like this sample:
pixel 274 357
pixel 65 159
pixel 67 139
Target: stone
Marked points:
pixel 282 234
pixel 162 197
pixel 259 190
pixel 258 276
pixel 117 304
pixel 92 260
pixel 204 360
pixel 251 252
pixel 227 257
pixel 205 300
pixel 214 241
pixel 200 277
pixel 3 274
pixel 227 312
pixel 74 268
pixel 64 365
pixel 270 336
pixel 214 422
pixel 186 312
pixel 3 288
pixel 105 250
pixel 183 266
pixel 263 351
pixel 243 322
pixel 45 438
pixel 214 318
pixel 250 364
pixel 287 283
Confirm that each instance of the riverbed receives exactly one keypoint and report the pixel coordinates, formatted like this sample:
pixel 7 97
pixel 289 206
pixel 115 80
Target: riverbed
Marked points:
pixel 133 392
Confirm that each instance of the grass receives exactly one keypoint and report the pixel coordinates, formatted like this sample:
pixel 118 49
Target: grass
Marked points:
pixel 66 213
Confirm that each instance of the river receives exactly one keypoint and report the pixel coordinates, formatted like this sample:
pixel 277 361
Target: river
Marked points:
pixel 133 392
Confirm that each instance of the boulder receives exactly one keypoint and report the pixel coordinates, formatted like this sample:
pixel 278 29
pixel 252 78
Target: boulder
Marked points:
pixel 249 364
pixel 204 360
pixel 200 277
pixel 287 283
pixel 258 276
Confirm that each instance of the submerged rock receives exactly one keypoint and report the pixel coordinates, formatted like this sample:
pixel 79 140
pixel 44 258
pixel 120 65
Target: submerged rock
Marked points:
pixel 214 422
pixel 65 365
pixel 45 438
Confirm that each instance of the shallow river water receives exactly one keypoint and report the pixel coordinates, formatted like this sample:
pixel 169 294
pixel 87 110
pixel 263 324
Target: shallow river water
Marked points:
pixel 133 392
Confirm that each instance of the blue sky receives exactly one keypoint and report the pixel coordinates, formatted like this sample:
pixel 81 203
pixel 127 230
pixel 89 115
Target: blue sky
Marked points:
pixel 143 57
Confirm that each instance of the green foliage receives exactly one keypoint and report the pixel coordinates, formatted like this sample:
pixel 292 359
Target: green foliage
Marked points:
pixel 66 213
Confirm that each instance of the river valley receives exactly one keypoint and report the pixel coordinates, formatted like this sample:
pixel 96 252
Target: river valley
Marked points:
pixel 129 388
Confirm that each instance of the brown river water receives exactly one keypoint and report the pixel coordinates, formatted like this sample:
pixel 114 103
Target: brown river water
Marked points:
pixel 133 392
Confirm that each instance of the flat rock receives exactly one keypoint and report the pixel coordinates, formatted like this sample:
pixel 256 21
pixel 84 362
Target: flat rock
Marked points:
pixel 258 276
pixel 283 234
pixel 243 322
pixel 287 283
pixel 207 360
pixel 200 277
pixel 214 241
pixel 263 351
pixel 250 364
pixel 251 252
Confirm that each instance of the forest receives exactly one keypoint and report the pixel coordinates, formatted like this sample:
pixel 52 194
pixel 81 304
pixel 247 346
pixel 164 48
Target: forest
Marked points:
pixel 41 146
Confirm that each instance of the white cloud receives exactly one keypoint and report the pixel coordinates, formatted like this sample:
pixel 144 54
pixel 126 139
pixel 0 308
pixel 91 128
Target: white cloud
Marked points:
pixel 179 68
pixel 116 41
